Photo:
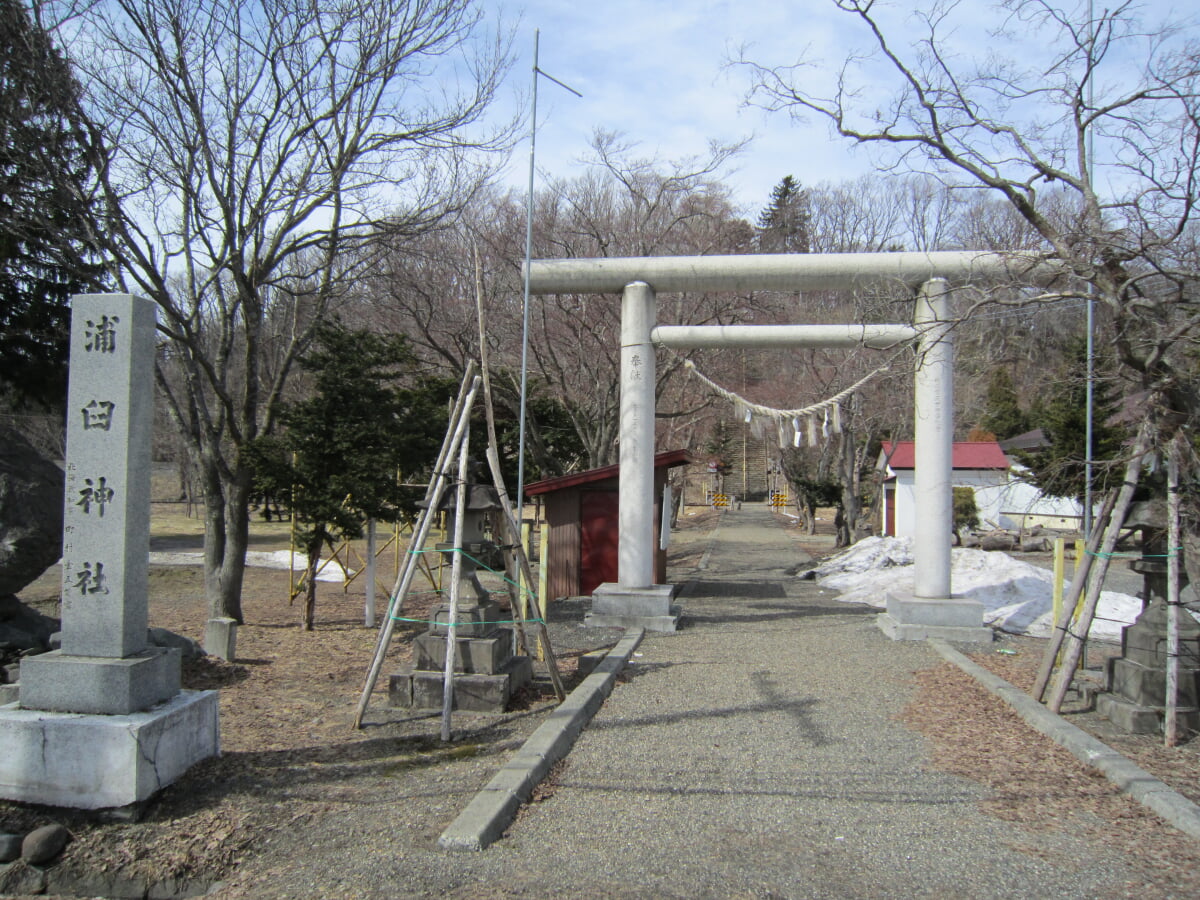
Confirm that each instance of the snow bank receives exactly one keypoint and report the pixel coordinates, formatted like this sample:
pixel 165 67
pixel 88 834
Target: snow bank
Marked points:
pixel 276 559
pixel 1016 596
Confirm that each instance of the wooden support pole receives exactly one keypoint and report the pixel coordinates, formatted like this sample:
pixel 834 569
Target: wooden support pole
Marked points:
pixel 1112 532
pixel 460 513
pixel 1174 549
pixel 1062 621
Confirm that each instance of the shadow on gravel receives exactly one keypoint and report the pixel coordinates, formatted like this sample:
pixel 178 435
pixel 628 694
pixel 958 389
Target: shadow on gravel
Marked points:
pixel 800 710
pixel 754 590
pixel 691 618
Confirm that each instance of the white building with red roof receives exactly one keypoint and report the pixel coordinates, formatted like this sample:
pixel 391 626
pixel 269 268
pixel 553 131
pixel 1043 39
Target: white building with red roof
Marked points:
pixel 980 465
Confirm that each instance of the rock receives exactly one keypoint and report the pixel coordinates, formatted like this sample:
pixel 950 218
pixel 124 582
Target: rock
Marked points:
pixel 44 844
pixel 24 629
pixel 161 637
pixel 21 879
pixel 10 847
pixel 31 512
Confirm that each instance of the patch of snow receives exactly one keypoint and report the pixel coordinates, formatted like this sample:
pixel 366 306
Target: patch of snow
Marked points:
pixel 275 559
pixel 1016 596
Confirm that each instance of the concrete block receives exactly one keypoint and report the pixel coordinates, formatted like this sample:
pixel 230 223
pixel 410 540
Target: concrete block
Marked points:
pixel 104 761
pixel 469 621
pixel 220 638
pixel 668 623
pixel 9 693
pixel 483 656
pixel 900 631
pixel 616 601
pixel 472 692
pixel 1129 717
pixel 1147 686
pixel 59 682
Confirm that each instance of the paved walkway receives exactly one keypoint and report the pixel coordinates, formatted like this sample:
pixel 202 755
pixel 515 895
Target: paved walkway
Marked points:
pixel 758 753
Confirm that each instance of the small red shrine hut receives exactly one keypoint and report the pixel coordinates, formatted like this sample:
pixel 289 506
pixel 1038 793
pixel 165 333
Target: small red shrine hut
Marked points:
pixel 581 512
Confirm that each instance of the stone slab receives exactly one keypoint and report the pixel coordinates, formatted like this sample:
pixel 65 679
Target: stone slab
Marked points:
pixel 470 620
pixel 667 624
pixel 478 656
pixel 472 693
pixel 1135 718
pixel 220 638
pixel 103 762
pixel 60 682
pixel 1147 686
pixel 902 631
pixel 651 601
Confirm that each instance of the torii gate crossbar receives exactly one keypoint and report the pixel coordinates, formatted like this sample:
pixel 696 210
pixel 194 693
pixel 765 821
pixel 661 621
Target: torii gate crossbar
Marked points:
pixel 635 600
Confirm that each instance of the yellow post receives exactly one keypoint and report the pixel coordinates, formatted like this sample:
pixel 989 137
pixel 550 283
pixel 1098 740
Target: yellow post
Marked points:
pixel 1060 555
pixel 543 578
pixel 522 587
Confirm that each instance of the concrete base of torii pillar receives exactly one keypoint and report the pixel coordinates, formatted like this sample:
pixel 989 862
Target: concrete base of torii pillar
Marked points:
pixel 916 619
pixel 650 608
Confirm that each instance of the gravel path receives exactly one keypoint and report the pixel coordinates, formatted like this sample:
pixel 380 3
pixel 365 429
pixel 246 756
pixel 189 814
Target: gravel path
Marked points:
pixel 758 752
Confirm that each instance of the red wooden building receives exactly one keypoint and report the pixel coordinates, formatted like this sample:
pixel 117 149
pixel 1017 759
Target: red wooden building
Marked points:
pixel 581 512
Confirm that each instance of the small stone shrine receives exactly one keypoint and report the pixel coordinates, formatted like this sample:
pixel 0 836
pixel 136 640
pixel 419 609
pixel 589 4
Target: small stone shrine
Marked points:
pixel 486 671
pixel 1136 686
pixel 102 722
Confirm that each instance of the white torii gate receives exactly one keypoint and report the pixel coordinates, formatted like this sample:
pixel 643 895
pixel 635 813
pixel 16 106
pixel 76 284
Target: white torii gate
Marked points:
pixel 635 601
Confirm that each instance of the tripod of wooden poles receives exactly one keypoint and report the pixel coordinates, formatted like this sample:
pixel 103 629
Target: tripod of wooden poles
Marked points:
pixel 1068 637
pixel 455 445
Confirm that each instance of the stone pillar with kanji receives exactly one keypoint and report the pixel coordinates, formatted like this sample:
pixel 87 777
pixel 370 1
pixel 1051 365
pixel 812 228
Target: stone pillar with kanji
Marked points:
pixel 102 722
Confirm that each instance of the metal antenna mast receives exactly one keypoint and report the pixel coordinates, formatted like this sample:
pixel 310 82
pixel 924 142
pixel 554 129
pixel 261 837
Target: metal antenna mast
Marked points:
pixel 528 253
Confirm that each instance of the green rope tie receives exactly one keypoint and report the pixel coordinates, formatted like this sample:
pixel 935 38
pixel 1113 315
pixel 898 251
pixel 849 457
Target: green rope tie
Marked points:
pixel 503 576
pixel 1171 554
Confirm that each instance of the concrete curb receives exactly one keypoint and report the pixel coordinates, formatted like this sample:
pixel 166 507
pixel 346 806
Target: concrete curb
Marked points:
pixel 494 807
pixel 1143 787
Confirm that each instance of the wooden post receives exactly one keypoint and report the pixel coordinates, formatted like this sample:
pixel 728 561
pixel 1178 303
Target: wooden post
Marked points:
pixel 1056 601
pixel 370 608
pixel 460 513
pixel 1174 548
pixel 543 590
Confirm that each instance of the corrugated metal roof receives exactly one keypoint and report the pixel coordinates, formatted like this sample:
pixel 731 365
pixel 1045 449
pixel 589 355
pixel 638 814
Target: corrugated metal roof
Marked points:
pixel 966 455
pixel 669 459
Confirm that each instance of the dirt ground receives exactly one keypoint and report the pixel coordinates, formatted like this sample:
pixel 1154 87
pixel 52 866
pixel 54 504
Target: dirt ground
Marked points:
pixel 290 754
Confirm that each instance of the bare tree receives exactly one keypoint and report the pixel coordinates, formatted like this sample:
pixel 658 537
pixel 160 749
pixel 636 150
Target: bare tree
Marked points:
pixel 252 154
pixel 1021 127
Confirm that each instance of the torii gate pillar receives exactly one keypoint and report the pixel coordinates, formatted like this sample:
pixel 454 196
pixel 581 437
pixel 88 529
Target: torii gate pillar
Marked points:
pixel 634 600
pixel 931 611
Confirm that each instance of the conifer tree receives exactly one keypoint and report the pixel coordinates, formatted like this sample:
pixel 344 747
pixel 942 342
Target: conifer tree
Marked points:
pixel 783 227
pixel 46 252
pixel 336 459
pixel 1059 469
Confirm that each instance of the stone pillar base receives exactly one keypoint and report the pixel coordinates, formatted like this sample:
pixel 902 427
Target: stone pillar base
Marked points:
pixel 919 618
pixel 615 606
pixel 104 762
pixel 220 638
pixel 99 685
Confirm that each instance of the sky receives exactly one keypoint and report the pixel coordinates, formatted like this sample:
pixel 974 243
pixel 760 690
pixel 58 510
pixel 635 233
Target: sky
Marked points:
pixel 656 71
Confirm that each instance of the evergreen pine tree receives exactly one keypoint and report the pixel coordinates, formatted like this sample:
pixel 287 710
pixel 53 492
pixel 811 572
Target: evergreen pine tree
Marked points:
pixel 45 211
pixel 783 227
pixel 1003 415
pixel 336 459
pixel 1059 469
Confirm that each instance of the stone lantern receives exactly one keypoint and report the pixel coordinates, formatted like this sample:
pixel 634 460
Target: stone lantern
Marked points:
pixel 486 673
pixel 1136 692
